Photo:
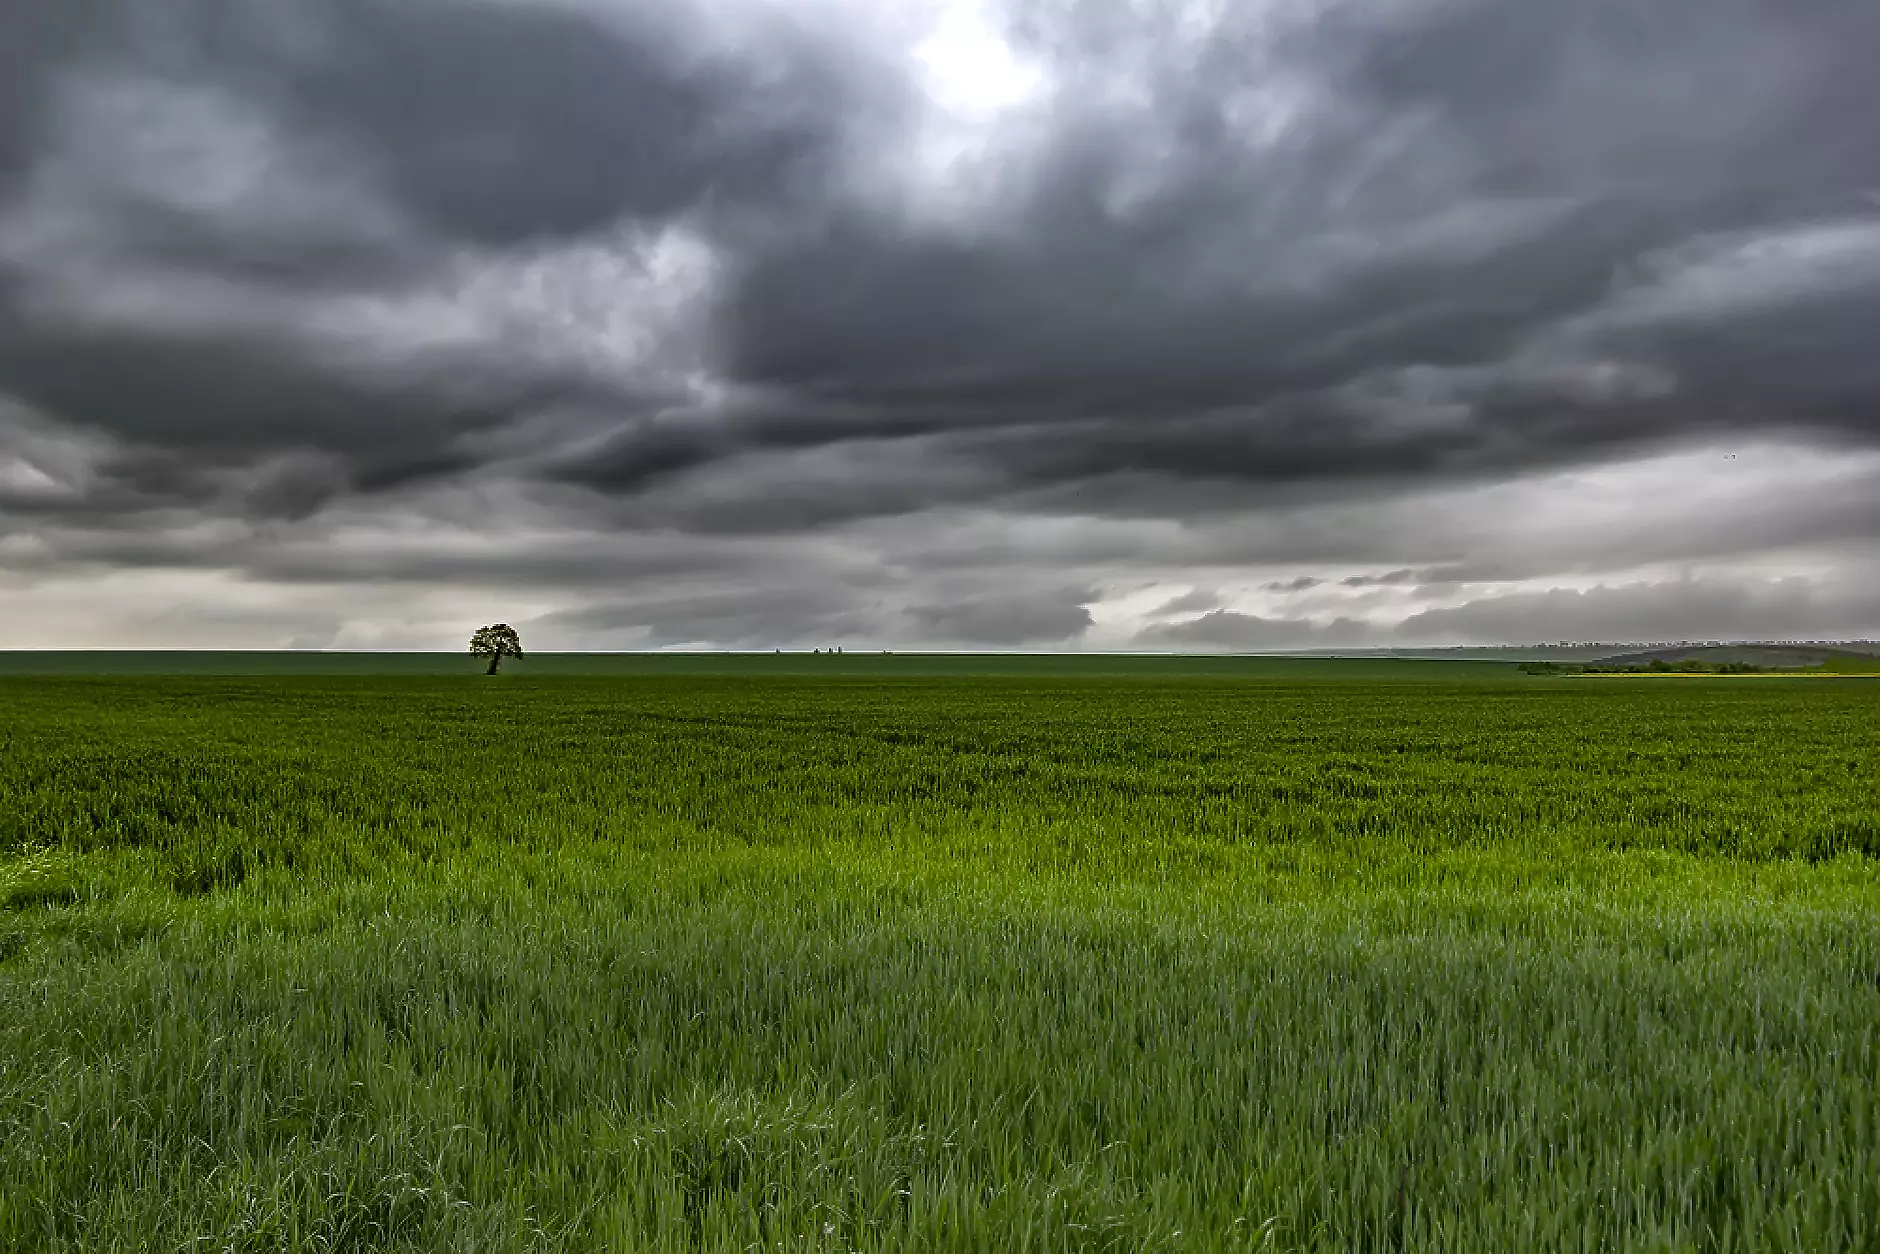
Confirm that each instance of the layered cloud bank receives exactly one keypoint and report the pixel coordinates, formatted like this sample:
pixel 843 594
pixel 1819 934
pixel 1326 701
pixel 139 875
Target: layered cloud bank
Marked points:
pixel 964 323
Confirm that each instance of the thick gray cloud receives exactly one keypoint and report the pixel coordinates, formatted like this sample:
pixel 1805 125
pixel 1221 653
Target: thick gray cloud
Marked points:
pixel 758 614
pixel 750 321
pixel 1018 618
pixel 1228 631
pixel 752 616
pixel 1783 608
pixel 1389 579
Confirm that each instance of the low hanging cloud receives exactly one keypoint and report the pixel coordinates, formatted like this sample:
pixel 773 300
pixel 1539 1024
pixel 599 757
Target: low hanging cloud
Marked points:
pixel 1230 631
pixel 1017 619
pixel 759 321
pixel 746 617
pixel 1783 608
pixel 1790 607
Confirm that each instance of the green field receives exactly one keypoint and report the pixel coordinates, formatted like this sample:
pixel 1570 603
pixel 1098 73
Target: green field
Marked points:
pixel 868 953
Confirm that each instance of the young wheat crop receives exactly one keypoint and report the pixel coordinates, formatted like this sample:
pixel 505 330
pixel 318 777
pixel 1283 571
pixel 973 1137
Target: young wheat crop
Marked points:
pixel 876 962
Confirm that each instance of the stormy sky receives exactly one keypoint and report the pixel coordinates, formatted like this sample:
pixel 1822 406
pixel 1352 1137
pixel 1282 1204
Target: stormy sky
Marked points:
pixel 1104 324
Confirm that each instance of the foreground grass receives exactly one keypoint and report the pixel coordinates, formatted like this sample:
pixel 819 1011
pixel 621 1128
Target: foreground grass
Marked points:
pixel 723 965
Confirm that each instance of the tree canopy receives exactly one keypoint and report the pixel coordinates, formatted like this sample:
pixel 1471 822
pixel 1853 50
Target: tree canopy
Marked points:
pixel 496 643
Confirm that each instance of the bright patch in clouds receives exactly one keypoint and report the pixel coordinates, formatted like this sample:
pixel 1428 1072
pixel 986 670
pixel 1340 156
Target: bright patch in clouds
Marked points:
pixel 969 70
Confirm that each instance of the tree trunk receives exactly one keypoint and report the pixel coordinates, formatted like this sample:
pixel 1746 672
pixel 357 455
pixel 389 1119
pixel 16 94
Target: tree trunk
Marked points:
pixel 496 660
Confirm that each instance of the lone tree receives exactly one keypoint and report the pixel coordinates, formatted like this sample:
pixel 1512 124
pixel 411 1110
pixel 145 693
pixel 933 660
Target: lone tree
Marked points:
pixel 496 643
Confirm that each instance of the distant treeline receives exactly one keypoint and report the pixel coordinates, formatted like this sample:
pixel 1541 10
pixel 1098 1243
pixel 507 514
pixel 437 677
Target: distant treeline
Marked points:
pixel 1657 666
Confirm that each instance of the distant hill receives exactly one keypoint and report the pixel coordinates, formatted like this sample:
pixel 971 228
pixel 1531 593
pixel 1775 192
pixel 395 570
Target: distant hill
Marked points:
pixel 1772 656
pixel 1857 658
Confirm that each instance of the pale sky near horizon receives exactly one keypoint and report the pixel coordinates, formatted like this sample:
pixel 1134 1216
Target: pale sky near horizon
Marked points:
pixel 952 323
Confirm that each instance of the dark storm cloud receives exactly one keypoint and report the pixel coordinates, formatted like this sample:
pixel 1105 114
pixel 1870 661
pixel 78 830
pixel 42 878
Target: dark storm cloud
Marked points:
pixel 221 400
pixel 1160 294
pixel 501 123
pixel 494 122
pixel 27 38
pixel 724 272
pixel 1520 235
pixel 1667 96
pixel 191 306
pixel 647 561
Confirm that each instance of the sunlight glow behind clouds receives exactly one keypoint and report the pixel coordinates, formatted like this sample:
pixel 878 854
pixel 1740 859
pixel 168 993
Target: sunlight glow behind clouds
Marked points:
pixel 970 72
